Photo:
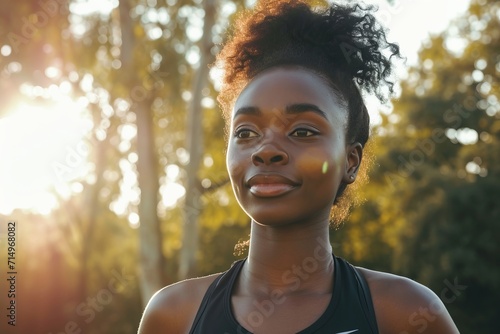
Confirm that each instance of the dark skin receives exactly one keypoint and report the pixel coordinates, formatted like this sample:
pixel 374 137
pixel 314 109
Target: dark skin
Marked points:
pixel 287 156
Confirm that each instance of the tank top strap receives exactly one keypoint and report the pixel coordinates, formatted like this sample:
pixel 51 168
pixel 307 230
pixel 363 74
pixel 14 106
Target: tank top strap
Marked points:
pixel 205 301
pixel 350 308
pixel 229 276
pixel 367 302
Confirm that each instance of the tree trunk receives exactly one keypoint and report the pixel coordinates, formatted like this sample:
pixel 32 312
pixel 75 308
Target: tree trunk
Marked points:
pixel 151 256
pixel 194 144
pixel 150 240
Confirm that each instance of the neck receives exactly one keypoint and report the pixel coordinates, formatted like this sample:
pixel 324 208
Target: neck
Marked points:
pixel 293 259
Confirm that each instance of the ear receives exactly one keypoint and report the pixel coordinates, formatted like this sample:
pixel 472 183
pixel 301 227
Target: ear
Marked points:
pixel 354 153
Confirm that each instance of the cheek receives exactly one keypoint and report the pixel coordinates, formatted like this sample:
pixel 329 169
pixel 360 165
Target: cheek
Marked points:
pixel 233 164
pixel 317 163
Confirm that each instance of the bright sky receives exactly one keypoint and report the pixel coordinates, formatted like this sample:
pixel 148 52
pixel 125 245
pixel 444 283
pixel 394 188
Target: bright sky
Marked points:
pixel 411 21
pixel 42 149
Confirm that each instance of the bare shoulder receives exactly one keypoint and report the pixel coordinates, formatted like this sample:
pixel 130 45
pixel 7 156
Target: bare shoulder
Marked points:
pixel 173 308
pixel 405 306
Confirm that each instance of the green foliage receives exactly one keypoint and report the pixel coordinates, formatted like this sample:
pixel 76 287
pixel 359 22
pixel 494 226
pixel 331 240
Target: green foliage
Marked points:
pixel 431 201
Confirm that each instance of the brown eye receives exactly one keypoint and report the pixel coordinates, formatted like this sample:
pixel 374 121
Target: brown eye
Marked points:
pixel 303 133
pixel 244 134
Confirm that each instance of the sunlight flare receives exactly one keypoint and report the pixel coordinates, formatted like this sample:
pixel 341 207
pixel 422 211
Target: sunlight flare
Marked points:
pixel 42 147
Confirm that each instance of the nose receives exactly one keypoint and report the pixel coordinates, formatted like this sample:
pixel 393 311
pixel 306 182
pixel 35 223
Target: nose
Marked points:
pixel 269 154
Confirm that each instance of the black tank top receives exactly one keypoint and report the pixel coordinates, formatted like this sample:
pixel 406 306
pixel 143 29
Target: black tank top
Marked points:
pixel 350 309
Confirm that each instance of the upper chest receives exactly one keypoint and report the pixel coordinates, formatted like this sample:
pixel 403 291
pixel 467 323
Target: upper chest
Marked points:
pixel 278 313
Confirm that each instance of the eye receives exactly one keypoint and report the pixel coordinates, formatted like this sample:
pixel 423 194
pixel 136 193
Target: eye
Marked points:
pixel 245 133
pixel 303 133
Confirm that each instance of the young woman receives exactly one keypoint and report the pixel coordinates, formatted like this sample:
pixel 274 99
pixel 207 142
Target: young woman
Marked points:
pixel 298 126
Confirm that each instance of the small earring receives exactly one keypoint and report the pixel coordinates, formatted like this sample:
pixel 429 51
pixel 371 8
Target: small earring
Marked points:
pixel 352 177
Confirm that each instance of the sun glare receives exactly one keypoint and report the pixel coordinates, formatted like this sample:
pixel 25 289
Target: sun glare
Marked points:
pixel 44 154
pixel 42 147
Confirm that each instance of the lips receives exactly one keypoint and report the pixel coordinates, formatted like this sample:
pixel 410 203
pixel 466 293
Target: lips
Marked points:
pixel 270 185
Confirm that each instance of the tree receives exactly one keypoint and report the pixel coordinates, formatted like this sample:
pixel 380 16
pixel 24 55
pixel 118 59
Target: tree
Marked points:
pixel 434 188
pixel 151 256
pixel 194 144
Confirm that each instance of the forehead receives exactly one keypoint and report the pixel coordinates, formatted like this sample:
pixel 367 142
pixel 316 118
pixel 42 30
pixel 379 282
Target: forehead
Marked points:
pixel 279 87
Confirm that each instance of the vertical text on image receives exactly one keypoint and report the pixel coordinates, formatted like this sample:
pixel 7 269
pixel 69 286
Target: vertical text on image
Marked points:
pixel 11 272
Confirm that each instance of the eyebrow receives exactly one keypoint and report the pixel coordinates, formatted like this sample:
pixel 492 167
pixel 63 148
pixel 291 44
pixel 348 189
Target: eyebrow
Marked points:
pixel 296 108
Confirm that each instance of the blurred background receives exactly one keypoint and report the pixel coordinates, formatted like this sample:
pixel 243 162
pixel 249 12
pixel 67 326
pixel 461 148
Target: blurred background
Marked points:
pixel 112 158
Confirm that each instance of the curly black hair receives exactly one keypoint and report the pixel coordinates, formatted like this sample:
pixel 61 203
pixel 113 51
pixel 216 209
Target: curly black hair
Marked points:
pixel 343 44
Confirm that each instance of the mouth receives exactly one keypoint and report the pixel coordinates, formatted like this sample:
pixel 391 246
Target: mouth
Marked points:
pixel 270 185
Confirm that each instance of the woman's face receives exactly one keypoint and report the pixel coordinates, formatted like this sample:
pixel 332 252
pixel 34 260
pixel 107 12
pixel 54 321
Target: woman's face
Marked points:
pixel 287 153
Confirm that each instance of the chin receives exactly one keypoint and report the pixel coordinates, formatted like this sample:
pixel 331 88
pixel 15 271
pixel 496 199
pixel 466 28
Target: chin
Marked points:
pixel 269 222
pixel 273 217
